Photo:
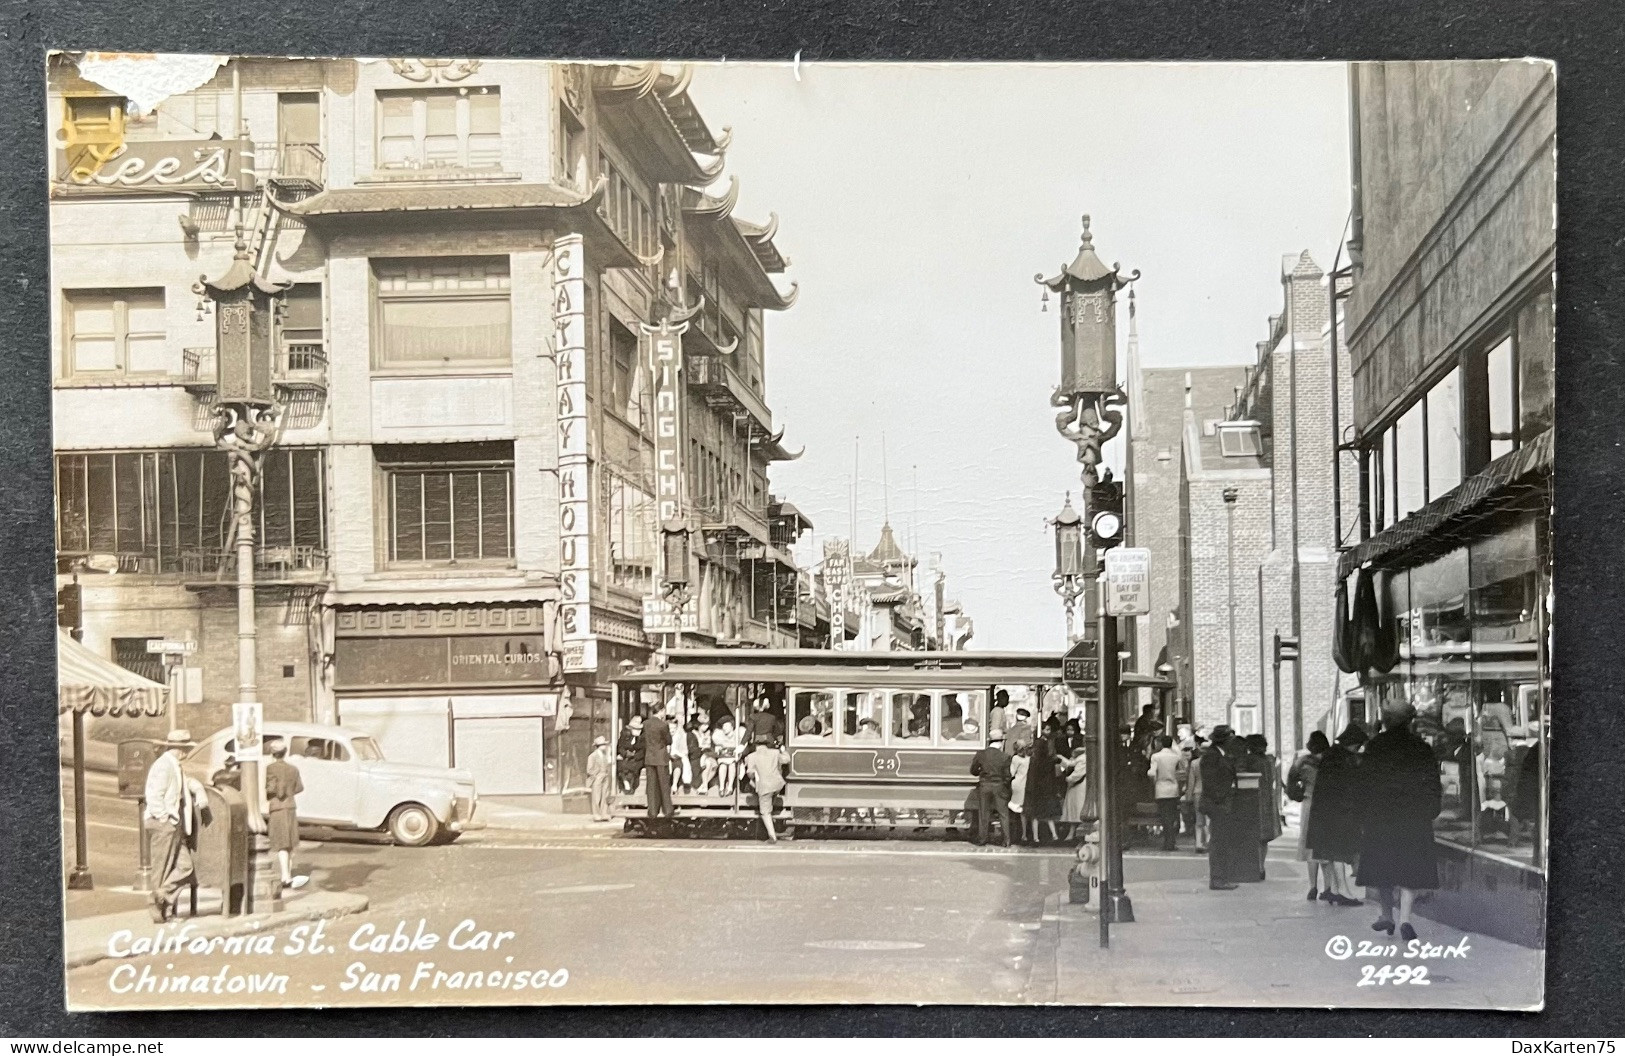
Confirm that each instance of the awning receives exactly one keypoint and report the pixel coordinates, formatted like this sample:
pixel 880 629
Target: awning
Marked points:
pixel 87 682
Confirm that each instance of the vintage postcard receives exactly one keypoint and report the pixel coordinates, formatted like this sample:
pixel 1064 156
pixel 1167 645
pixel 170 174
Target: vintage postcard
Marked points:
pixel 546 532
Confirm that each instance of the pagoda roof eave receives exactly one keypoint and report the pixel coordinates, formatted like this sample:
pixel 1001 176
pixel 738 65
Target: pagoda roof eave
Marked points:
pixel 647 97
pixel 713 215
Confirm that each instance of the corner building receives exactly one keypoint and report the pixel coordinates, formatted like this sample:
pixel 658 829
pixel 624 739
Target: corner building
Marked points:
pixel 1450 333
pixel 459 524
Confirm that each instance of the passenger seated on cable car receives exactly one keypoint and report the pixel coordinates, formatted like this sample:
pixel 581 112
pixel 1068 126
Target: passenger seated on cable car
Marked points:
pixel 968 732
pixel 868 730
pixel 809 729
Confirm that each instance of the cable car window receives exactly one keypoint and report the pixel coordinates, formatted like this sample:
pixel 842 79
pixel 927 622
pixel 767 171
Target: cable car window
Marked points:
pixel 963 716
pixel 910 716
pixel 813 717
pixel 863 716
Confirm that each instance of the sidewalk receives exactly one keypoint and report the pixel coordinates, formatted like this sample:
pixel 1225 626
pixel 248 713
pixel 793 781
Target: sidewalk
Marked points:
pixel 1264 944
pixel 87 939
pixel 507 815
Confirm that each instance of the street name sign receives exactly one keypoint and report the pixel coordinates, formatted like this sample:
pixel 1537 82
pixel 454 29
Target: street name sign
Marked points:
pixel 164 645
pixel 1080 669
pixel 1128 581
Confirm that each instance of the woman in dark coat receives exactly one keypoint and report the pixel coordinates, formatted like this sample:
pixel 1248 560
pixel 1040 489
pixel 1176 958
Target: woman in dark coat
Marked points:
pixel 1045 789
pixel 1333 835
pixel 1399 778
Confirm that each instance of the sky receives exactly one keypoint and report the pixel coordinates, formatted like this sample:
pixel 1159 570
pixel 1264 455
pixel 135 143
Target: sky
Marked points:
pixel 916 204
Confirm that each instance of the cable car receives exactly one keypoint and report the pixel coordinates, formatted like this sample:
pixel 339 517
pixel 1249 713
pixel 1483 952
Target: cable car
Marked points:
pixel 875 739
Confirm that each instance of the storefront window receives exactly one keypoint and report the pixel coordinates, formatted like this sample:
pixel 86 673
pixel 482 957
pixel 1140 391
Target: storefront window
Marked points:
pixel 1509 698
pixel 1471 665
pixel 1444 435
pixel 1441 679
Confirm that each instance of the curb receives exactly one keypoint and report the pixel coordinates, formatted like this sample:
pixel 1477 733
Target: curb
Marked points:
pixel 332 905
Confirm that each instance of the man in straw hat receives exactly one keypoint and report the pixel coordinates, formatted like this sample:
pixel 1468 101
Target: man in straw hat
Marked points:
pixel 172 800
pixel 599 766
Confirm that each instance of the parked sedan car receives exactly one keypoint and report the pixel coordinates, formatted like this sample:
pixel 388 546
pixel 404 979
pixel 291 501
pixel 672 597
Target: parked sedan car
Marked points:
pixel 350 785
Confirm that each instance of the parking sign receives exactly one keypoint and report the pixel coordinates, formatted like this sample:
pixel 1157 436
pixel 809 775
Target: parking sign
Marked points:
pixel 1128 581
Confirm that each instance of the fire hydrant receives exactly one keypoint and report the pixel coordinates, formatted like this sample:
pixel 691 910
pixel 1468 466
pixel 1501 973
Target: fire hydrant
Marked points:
pixel 1082 875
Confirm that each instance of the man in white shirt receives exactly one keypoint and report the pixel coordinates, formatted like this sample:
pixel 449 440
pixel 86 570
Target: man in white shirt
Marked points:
pixel 172 800
pixel 1168 770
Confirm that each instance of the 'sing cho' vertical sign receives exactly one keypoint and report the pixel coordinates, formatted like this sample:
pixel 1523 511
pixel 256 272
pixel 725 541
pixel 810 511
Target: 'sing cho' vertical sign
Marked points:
pixel 575 521
pixel 665 346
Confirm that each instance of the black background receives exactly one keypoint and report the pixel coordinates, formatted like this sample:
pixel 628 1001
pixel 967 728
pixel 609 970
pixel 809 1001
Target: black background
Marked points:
pixel 1587 922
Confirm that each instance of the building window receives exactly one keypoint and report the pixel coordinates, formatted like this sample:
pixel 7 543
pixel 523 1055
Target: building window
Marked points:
pixel 302 345
pixel 452 128
pixel 626 209
pixel 625 380
pixel 195 115
pixel 1444 435
pixel 94 118
pixel 442 312
pixel 170 511
pixel 633 535
pixel 116 332
pixel 448 503
pixel 1410 463
pixel 1501 377
pixel 1239 439
pixel 570 150
pixel 131 654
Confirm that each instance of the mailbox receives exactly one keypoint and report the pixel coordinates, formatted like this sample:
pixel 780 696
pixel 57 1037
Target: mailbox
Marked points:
pixel 223 848
pixel 135 758
pixel 1247 821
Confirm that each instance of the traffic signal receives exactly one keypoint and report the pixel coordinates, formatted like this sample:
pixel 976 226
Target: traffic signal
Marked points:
pixel 1106 515
pixel 1286 649
pixel 68 608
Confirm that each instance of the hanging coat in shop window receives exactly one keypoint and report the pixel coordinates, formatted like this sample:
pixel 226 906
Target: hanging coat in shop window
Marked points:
pixel 1343 633
pixel 1375 635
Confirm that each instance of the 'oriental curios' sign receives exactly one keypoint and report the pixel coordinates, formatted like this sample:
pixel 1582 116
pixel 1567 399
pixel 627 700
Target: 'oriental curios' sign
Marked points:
pixel 575 521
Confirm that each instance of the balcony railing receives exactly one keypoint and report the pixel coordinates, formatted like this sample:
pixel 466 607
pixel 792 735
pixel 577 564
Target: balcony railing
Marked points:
pixel 299 166
pixel 299 359
pixel 722 385
pixel 198 370
pixel 272 564
pixel 298 362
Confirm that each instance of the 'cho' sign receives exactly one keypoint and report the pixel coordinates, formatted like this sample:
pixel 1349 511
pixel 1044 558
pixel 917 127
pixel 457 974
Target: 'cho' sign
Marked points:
pixel 575 521
pixel 1128 581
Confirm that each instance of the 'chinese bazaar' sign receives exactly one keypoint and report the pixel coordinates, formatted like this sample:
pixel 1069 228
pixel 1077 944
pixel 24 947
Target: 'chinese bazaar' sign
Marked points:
pixel 666 367
pixel 157 165
pixel 575 522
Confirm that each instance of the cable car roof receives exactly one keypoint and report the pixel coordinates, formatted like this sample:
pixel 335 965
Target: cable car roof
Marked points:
pixel 823 667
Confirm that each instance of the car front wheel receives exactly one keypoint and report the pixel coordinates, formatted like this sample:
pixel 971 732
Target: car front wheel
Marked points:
pixel 413 825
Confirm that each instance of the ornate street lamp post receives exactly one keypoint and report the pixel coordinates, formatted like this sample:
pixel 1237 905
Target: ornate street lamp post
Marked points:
pixel 1092 408
pixel 249 420
pixel 1070 567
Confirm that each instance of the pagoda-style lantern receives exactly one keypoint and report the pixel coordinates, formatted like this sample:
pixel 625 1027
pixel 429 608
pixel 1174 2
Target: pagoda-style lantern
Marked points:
pixel 245 331
pixel 677 551
pixel 1088 390
pixel 1071 565
pixel 1068 542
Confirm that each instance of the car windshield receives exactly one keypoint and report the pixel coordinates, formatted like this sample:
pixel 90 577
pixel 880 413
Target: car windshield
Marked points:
pixel 366 748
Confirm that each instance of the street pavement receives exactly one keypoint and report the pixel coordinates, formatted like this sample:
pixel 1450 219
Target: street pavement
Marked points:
pixel 596 916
